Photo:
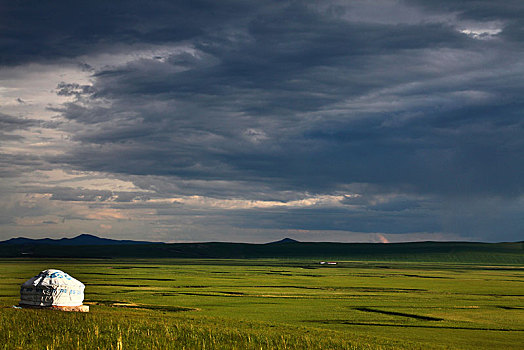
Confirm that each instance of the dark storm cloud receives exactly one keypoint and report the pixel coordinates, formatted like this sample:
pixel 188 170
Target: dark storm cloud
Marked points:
pixel 15 165
pixel 70 194
pixel 329 219
pixel 339 219
pixel 51 30
pixel 73 89
pixel 49 222
pixel 292 96
pixel 510 13
pixel 314 89
pixel 10 123
pixel 476 9
pixel 80 195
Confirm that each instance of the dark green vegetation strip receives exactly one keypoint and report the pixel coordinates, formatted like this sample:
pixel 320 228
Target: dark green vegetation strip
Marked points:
pixel 114 303
pixel 394 313
pixel 499 253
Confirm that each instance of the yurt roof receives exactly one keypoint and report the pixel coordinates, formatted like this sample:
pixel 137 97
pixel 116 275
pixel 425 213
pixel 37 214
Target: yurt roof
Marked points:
pixel 52 288
pixel 52 277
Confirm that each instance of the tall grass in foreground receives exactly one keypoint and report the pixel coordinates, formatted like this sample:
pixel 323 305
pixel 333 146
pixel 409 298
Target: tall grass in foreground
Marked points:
pixel 130 329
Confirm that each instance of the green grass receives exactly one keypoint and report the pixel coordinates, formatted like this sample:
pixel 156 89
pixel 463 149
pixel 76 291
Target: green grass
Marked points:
pixel 131 329
pixel 272 303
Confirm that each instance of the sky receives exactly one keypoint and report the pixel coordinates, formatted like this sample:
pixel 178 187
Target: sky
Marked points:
pixel 250 121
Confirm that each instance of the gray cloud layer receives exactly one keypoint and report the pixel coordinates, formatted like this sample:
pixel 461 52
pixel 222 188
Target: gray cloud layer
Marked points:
pixel 416 101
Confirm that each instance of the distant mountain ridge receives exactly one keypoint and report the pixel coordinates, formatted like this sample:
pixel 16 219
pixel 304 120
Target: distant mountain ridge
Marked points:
pixel 83 239
pixel 87 239
pixel 89 246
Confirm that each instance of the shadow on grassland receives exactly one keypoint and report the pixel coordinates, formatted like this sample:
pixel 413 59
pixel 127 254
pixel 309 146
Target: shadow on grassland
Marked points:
pixel 403 314
pixel 121 304
pixel 350 323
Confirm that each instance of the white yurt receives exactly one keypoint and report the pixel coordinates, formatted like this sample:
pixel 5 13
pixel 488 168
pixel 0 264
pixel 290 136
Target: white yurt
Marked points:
pixel 53 289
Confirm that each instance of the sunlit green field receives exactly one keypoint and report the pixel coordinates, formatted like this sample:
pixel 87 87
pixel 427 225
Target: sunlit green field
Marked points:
pixel 257 304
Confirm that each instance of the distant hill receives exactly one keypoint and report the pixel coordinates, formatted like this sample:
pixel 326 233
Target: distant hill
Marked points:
pixel 285 240
pixel 89 246
pixel 83 239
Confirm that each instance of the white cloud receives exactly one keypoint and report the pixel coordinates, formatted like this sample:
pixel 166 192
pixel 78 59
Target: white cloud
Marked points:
pixel 35 84
pixel 87 180
pixel 481 33
pixel 120 56
pixel 202 202
pixel 255 135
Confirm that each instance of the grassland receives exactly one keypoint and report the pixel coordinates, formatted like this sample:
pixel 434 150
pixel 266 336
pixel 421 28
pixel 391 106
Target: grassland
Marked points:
pixel 271 303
